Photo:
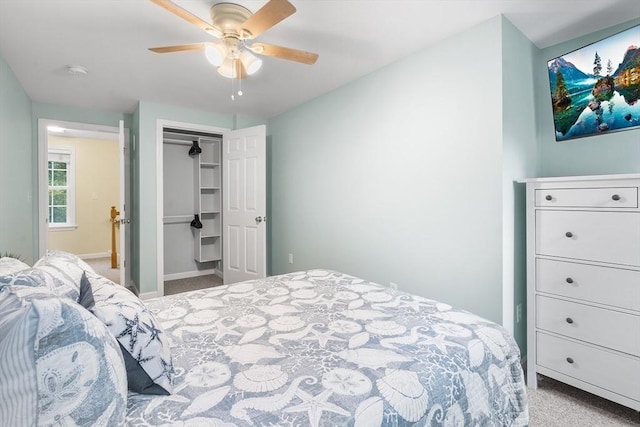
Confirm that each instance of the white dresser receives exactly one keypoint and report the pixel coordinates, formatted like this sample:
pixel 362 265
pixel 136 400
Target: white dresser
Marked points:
pixel 583 284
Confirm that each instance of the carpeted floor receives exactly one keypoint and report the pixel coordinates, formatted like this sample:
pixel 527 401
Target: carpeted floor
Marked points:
pixel 172 287
pixel 555 404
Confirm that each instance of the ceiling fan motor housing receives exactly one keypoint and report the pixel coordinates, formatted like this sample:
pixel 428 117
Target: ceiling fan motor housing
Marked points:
pixel 228 18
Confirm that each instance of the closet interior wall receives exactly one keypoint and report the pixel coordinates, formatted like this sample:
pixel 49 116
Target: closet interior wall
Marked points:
pixel 191 186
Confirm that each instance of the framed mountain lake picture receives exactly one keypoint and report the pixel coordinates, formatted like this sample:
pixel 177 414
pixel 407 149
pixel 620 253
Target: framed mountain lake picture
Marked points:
pixel 596 89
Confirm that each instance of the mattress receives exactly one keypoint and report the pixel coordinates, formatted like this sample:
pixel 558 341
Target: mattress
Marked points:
pixel 322 348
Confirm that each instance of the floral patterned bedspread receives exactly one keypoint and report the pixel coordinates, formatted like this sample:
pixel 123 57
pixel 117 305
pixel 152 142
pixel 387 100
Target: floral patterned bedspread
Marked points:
pixel 321 348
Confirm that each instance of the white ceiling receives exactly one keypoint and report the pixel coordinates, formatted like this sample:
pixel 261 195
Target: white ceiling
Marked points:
pixel 39 38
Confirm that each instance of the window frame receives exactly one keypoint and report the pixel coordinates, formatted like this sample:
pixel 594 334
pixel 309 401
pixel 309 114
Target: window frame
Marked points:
pixel 70 224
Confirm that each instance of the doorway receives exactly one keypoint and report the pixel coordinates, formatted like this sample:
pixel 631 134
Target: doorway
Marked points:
pixel 81 177
pixel 222 190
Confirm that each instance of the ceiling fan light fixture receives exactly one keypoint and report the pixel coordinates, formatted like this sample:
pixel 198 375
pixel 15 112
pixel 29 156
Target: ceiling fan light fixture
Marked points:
pixel 214 55
pixel 227 69
pixel 250 62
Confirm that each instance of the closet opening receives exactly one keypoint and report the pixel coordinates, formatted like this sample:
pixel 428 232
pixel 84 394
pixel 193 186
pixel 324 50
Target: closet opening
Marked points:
pixel 192 210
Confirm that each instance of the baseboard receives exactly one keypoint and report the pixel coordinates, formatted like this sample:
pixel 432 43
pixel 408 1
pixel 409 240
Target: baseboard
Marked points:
pixel 149 295
pixel 190 274
pixel 96 255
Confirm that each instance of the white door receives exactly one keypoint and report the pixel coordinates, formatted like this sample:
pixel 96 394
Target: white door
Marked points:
pixel 124 236
pixel 244 204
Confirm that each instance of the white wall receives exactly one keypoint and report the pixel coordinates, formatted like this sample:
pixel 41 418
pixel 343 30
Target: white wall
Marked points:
pixel 398 176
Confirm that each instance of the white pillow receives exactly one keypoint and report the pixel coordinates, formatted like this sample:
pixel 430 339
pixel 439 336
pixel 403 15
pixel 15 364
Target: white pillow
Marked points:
pixel 10 265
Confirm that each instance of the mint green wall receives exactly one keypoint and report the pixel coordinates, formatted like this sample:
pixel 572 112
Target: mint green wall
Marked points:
pixel 519 161
pixel 16 172
pixel 398 176
pixel 617 152
pixel 148 114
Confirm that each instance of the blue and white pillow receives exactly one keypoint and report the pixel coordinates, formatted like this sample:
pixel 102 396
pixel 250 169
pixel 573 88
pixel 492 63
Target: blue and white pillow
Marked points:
pixel 10 265
pixel 56 281
pixel 145 346
pixel 67 269
pixel 59 365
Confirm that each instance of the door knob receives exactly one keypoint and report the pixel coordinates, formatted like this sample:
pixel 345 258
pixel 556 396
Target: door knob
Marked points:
pixel 258 219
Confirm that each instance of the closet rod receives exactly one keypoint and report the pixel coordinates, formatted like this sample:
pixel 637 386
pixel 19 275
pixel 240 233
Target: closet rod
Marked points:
pixel 176 141
pixel 191 132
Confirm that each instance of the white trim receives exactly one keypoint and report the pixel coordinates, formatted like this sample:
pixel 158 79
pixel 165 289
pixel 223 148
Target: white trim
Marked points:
pixel 581 178
pixel 190 274
pixel 160 125
pixel 149 295
pixel 95 255
pixel 62 227
pixel 70 224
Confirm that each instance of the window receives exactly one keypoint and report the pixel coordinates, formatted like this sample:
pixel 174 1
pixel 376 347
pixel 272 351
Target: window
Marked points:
pixel 61 200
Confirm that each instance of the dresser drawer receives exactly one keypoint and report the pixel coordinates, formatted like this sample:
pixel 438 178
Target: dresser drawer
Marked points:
pixel 608 328
pixel 605 285
pixel 596 236
pixel 614 197
pixel 611 371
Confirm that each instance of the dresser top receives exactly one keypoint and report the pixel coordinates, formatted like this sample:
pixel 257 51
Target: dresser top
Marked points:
pixel 581 178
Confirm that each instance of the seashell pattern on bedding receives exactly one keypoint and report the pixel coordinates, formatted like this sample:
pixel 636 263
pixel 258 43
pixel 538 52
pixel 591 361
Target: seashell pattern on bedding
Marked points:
pixel 321 348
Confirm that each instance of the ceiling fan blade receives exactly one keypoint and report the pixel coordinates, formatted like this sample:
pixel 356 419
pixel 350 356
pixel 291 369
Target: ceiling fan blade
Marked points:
pixel 284 53
pixel 180 48
pixel 187 16
pixel 268 16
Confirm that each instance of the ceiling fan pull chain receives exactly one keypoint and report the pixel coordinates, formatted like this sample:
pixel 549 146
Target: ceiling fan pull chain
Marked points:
pixel 233 73
pixel 239 71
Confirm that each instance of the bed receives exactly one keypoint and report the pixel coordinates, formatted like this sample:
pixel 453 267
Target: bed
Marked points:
pixel 322 348
pixel 313 348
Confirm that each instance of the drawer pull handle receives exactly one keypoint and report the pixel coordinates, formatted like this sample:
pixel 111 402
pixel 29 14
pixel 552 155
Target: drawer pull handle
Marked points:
pixel 569 360
pixel 568 234
pixel 569 320
pixel 615 197
pixel 548 197
pixel 569 280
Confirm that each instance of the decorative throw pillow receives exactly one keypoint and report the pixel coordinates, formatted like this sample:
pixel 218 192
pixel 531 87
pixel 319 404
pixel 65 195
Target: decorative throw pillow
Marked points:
pixel 53 279
pixel 67 269
pixel 63 258
pixel 86 293
pixel 59 365
pixel 145 347
pixel 10 265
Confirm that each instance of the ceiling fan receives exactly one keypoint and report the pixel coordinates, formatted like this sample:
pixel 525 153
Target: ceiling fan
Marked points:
pixel 234 25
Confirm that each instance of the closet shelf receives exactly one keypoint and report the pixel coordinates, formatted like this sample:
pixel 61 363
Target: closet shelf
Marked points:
pixel 207 181
pixel 209 236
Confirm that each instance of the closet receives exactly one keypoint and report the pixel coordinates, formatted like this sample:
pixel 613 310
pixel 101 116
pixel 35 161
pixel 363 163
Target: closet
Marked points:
pixel 192 202
pixel 212 218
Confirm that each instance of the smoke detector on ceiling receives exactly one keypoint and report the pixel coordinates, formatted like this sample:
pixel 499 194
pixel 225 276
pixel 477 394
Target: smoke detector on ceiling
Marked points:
pixel 77 70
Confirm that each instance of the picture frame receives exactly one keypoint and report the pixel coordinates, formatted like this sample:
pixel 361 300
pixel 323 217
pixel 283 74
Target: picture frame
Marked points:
pixel 595 89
